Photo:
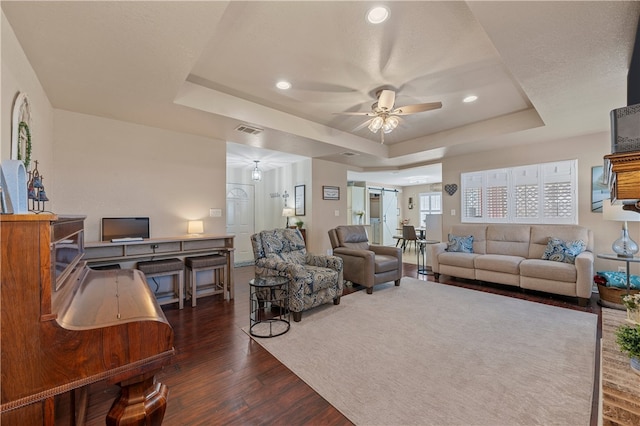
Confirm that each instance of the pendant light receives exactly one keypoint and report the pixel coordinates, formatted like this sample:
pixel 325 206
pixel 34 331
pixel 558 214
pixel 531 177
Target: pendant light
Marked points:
pixel 256 173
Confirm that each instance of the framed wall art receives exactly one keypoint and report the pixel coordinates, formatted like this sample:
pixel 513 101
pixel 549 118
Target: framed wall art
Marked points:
pixel 299 199
pixel 330 192
pixel 599 190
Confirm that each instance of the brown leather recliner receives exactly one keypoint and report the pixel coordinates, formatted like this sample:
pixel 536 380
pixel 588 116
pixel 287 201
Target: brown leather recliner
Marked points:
pixel 365 264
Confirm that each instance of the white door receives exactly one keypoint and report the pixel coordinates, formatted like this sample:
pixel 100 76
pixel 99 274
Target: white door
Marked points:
pixel 240 220
pixel 389 216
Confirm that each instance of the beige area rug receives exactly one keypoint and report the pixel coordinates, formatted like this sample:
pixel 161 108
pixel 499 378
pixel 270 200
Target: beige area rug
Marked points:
pixel 430 354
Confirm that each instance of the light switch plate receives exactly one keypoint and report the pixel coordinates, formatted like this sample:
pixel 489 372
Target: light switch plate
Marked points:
pixel 215 212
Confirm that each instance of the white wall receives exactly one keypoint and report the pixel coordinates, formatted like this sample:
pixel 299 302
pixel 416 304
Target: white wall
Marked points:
pixel 323 212
pixel 107 168
pixel 268 207
pixel 18 77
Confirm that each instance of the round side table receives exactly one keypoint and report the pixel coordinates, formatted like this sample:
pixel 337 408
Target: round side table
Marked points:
pixel 269 295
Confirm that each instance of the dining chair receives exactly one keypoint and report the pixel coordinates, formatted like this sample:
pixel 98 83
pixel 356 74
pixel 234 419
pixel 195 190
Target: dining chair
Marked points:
pixel 408 236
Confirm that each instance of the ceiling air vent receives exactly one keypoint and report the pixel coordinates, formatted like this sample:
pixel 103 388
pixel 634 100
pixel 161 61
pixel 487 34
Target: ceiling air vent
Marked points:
pixel 245 128
pixel 350 154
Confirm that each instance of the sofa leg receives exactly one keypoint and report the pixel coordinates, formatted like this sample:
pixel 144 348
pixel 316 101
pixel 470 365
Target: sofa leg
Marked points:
pixel 583 301
pixel 369 290
pixel 297 316
pixel 397 283
pixel 336 301
pixel 436 276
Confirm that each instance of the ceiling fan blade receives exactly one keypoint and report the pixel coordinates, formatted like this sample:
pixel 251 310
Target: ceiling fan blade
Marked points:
pixel 386 100
pixel 412 109
pixel 363 125
pixel 370 114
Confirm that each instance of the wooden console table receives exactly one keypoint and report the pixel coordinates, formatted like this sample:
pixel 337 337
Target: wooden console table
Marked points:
pixel 102 253
pixel 620 387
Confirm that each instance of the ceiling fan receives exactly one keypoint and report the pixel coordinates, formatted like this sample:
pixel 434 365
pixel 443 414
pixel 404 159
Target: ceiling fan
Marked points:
pixel 385 116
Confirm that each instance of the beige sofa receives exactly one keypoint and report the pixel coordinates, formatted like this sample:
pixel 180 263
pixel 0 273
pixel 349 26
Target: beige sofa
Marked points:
pixel 512 254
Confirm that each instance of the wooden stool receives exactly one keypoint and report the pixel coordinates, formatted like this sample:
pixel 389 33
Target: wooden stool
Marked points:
pixel 216 263
pixel 162 268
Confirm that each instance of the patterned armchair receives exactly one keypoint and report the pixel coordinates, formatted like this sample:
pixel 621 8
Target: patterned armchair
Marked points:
pixel 313 279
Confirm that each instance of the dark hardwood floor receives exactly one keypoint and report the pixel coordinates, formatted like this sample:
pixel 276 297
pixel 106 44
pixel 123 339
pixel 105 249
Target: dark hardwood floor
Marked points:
pixel 221 376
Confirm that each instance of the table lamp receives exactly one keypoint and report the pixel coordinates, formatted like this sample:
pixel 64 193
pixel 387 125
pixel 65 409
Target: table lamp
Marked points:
pixel 195 227
pixel 624 246
pixel 288 212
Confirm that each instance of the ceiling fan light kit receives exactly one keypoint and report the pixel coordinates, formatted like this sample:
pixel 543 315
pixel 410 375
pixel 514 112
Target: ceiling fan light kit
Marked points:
pixel 385 117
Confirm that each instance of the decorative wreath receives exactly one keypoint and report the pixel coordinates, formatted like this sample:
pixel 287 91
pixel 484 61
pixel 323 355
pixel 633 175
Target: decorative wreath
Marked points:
pixel 27 152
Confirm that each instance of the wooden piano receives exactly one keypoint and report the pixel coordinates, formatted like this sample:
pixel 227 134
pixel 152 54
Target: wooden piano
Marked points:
pixel 65 326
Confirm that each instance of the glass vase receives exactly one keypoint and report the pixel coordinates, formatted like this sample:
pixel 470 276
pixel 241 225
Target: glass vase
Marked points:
pixel 625 246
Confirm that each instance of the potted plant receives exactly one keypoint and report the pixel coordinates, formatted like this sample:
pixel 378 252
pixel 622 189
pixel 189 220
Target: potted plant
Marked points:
pixel 628 338
pixel 360 214
pixel 299 224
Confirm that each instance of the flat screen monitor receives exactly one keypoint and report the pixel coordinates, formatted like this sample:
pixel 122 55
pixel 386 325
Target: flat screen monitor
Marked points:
pixel 124 227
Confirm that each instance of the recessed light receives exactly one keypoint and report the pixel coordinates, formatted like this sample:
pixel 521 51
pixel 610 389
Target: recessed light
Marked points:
pixel 470 98
pixel 283 85
pixel 377 15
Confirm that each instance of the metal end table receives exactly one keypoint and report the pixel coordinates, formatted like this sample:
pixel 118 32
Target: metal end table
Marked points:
pixel 422 253
pixel 266 294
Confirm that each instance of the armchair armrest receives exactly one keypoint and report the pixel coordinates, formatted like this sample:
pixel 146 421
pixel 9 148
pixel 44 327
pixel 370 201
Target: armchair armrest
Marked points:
pixel 584 271
pixel 325 261
pixel 434 250
pixel 387 250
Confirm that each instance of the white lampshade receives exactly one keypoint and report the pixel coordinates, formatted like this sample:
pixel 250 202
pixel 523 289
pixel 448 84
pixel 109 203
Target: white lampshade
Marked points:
pixel 195 227
pixel 288 211
pixel 616 212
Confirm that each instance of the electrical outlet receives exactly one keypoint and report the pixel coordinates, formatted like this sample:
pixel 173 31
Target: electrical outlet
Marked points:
pixel 622 269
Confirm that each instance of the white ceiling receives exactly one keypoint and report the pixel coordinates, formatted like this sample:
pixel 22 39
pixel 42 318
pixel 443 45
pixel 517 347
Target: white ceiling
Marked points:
pixel 542 71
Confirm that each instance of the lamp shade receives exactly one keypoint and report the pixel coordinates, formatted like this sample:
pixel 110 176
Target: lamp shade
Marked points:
pixel 288 211
pixel 616 212
pixel 195 227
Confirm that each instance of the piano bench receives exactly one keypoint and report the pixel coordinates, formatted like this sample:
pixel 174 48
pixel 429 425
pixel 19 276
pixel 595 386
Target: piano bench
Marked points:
pixel 216 263
pixel 166 267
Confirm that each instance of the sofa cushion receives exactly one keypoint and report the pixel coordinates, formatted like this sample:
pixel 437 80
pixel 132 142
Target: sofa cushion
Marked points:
pixel 508 239
pixel 552 271
pixel 460 244
pixel 499 263
pixel 385 263
pixel 462 260
pixel 563 251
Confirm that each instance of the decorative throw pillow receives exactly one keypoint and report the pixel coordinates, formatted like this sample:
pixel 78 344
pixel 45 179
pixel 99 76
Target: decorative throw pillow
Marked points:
pixel 460 244
pixel 561 251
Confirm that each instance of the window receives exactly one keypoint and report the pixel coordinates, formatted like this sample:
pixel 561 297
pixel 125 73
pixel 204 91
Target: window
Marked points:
pixel 538 193
pixel 430 203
